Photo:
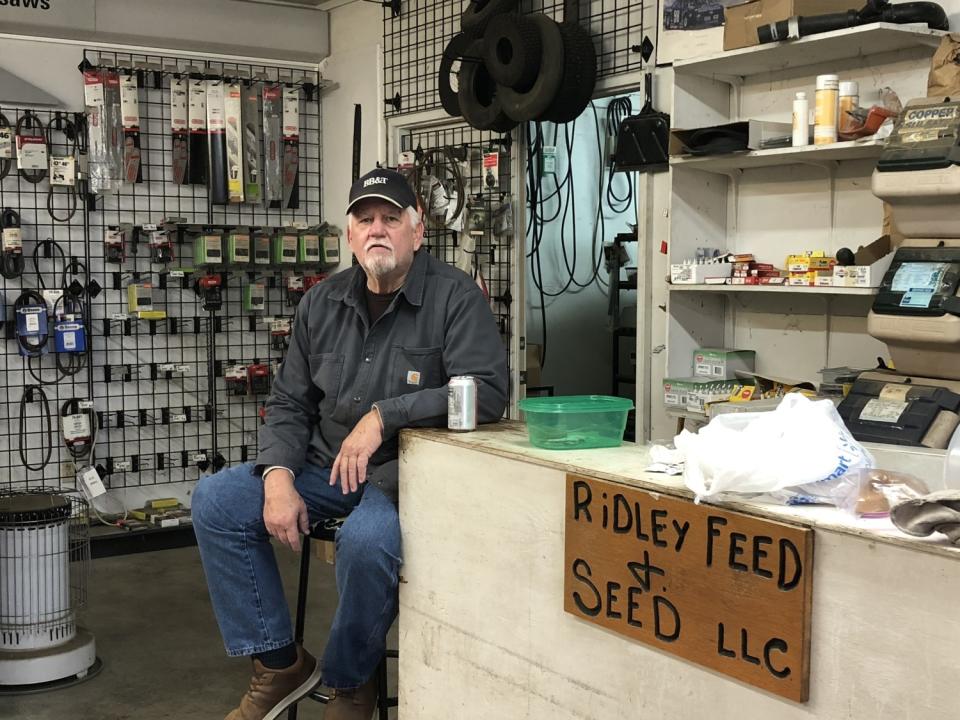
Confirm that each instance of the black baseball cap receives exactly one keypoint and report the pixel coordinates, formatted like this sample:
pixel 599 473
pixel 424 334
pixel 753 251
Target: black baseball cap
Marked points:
pixel 384 184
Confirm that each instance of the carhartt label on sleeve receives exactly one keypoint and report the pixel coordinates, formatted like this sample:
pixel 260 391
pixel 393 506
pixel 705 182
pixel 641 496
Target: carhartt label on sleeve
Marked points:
pixel 884 411
pixel 6 143
pixel 291 112
pixel 198 105
pixel 63 171
pixel 129 102
pixel 178 105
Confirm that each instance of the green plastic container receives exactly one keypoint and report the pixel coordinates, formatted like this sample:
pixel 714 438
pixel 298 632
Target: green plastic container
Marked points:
pixel 576 422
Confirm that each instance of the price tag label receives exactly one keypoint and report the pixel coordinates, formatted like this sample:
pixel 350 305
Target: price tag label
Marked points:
pixel 178 418
pixel 90 482
pixel 167 367
pixel 198 457
pixel 76 427
pixel 52 297
pixel 31 152
pixel 63 171
pixel 123 466
pixel 119 316
pixel 6 143
pixel 176 273
pixel 86 404
pixel 182 368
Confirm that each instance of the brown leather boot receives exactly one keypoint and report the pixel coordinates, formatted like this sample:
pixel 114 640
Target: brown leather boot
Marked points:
pixel 273 691
pixel 356 704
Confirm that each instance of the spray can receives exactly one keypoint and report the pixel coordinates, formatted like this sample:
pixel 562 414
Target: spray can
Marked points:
pixel 462 403
pixel 801 120
pixel 825 127
pixel 849 100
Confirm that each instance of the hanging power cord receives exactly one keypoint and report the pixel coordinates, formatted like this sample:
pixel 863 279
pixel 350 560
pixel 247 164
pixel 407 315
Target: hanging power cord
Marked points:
pixel 5 163
pixel 11 260
pixel 71 132
pixel 29 122
pixel 619 109
pixel 31 392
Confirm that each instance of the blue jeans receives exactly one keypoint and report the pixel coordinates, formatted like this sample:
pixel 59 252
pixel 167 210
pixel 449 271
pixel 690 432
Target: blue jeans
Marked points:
pixel 245 584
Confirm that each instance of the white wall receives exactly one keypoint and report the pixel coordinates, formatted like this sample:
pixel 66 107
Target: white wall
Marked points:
pixel 264 30
pixel 355 62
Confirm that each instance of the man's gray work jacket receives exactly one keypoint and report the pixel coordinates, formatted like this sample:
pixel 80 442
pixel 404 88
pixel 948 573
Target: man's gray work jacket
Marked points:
pixel 439 325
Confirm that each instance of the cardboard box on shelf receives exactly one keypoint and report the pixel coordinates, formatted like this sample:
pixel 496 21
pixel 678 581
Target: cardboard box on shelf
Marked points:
pixel 741 21
pixel 722 363
pixel 872 263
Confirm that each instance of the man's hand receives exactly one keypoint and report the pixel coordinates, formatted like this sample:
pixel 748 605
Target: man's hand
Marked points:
pixel 284 512
pixel 362 442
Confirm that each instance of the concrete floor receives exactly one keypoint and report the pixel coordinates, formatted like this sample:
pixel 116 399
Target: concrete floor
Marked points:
pixel 162 653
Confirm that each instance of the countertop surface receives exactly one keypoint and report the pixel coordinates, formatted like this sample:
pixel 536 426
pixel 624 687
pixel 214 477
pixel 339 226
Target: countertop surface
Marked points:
pixel 626 465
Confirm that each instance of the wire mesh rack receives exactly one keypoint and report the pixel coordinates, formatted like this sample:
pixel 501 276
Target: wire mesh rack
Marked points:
pixel 155 380
pixel 414 39
pixel 484 246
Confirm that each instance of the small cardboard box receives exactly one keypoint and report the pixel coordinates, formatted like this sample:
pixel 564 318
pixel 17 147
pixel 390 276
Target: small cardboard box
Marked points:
pixel 872 263
pixel 721 363
pixel 741 21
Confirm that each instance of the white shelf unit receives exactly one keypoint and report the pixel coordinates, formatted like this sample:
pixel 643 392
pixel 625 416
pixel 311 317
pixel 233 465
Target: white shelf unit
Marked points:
pixel 781 201
pixel 776 289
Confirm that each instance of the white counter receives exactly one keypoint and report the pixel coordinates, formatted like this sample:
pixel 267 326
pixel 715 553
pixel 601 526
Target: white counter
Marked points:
pixel 483 633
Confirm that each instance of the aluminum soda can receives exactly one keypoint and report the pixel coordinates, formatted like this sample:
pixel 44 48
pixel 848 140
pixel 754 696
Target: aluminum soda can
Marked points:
pixel 462 403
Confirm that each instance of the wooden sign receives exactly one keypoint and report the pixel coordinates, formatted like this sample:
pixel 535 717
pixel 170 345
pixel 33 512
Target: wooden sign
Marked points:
pixel 719 588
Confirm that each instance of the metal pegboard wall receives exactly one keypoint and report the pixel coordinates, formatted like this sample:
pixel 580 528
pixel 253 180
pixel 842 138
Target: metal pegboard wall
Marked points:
pixel 483 247
pixel 54 254
pixel 157 383
pixel 168 376
pixel 413 43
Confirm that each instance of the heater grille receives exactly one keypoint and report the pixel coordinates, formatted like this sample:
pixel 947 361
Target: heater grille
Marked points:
pixel 44 562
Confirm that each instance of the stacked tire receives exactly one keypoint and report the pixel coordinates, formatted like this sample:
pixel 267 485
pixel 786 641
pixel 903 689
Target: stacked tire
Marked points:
pixel 516 68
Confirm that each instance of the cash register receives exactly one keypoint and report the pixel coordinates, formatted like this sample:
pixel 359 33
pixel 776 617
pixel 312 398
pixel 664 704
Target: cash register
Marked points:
pixel 917 309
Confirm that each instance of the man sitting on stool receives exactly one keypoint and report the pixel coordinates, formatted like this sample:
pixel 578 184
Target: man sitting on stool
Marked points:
pixel 371 351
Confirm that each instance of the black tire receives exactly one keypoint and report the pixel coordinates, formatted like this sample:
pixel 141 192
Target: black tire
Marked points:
pixel 530 105
pixel 579 75
pixel 512 50
pixel 480 12
pixel 454 51
pixel 478 94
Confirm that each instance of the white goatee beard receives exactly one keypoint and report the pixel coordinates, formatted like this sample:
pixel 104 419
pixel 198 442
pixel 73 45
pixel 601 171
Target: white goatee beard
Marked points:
pixel 380 265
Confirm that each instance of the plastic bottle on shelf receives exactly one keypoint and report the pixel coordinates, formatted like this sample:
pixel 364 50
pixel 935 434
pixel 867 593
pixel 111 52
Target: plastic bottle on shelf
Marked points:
pixel 825 126
pixel 801 120
pixel 849 100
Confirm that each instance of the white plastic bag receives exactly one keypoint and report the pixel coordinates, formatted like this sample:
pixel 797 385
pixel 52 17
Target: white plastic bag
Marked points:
pixel 798 453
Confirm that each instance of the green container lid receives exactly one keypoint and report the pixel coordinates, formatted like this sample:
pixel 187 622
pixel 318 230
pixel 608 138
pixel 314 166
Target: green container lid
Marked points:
pixel 562 404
